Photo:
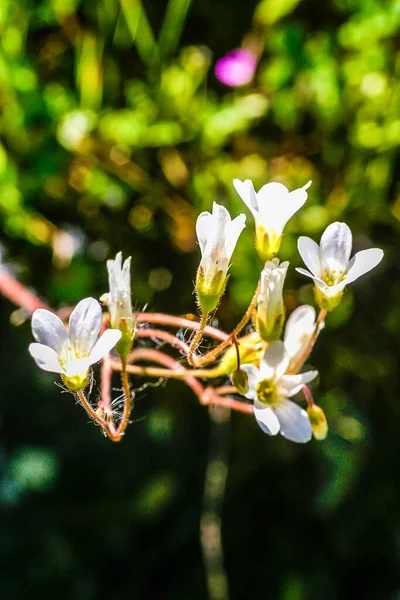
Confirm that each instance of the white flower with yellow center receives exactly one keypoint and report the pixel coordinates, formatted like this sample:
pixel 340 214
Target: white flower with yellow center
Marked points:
pixel 330 266
pixel 270 388
pixel 270 308
pixel 71 353
pixel 271 207
pixel 298 330
pixel 217 234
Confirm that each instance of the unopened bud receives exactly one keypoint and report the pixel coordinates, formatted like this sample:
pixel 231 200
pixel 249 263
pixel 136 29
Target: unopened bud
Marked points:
pixel 251 349
pixel 318 422
pixel 270 308
pixel 241 381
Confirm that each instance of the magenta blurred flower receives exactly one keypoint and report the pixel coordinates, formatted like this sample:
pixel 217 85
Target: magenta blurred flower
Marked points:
pixel 236 68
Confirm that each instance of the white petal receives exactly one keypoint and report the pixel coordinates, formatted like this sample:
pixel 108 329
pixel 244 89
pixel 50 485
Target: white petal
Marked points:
pixel 48 329
pixel 294 422
pixel 84 326
pixel 362 262
pixel 126 275
pixel 78 367
pixel 298 330
pixel 253 375
pixel 300 321
pixel 212 234
pixel 119 299
pixel 275 361
pixel 335 247
pixel 292 384
pixel 278 205
pixel 246 191
pixel 330 290
pixel 266 418
pixel 106 342
pixel 114 269
pixel 308 274
pixel 46 358
pixel 221 214
pixel 272 201
pixel 203 225
pixel 232 233
pixel 309 252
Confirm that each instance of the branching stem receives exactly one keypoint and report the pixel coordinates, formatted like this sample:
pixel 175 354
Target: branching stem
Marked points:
pixel 211 356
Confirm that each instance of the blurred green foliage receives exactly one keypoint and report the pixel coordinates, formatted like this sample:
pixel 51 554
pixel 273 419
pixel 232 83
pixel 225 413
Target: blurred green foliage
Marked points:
pixel 114 135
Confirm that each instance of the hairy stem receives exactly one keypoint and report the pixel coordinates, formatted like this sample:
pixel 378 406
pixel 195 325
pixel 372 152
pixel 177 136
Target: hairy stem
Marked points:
pixel 193 361
pixel 167 373
pixel 128 405
pixel 211 356
pixel 164 336
pixel 181 322
pixel 96 418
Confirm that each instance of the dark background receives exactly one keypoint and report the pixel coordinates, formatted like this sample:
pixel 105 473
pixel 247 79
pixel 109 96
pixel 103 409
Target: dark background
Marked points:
pixel 114 137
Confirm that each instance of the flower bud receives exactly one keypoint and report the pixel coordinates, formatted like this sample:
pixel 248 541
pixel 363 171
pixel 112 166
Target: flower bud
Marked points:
pixel 217 234
pixel 119 302
pixel 240 380
pixel 251 349
pixel 270 308
pixel 318 422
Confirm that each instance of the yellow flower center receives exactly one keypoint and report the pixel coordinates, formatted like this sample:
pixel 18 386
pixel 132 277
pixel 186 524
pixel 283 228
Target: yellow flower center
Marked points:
pixel 266 392
pixel 333 277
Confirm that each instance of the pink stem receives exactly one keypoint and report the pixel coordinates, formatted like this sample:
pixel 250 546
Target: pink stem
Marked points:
pixel 167 337
pixel 308 395
pixel 163 319
pixel 210 397
pixel 163 359
pixel 105 388
pixel 19 294
pixel 206 396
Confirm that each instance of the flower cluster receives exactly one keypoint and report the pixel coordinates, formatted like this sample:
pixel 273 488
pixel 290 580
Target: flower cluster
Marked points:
pixel 265 365
pixel 270 381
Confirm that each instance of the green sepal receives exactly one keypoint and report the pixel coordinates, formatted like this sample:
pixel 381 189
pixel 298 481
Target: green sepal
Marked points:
pixel 270 334
pixel 325 302
pixel 124 345
pixel 251 349
pixel 209 296
pixel 76 383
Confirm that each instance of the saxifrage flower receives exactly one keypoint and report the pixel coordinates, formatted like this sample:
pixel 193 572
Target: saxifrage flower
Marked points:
pixel 71 353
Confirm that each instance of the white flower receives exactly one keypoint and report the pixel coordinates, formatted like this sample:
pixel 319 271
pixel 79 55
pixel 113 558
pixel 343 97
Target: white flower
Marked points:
pixel 272 207
pixel 329 263
pixel 217 234
pixel 71 353
pixel 119 301
pixel 298 330
pixel 270 389
pixel 270 308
